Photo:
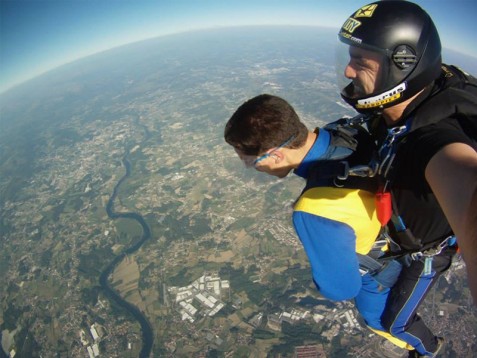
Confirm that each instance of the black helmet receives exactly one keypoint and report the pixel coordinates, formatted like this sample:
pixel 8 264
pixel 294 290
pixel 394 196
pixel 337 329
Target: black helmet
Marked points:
pixel 408 43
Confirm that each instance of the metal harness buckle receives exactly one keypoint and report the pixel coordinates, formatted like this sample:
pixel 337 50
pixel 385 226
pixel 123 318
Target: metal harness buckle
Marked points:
pixel 363 171
pixel 369 170
pixel 346 173
pixel 386 152
pixel 433 251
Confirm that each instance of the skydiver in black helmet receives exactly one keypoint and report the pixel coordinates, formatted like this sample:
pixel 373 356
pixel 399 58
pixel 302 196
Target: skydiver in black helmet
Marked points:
pixel 423 115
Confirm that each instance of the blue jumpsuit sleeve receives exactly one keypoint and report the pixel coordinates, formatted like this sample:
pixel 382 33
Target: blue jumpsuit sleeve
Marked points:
pixel 331 249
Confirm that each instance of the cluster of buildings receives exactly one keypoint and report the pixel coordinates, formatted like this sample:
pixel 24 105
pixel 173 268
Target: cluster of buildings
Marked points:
pixel 93 349
pixel 275 320
pixel 202 297
pixel 346 319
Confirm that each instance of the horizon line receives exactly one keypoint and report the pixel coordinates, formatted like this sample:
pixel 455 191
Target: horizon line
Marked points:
pixel 54 67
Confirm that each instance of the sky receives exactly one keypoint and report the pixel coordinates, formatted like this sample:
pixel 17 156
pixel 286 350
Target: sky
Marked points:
pixel 40 35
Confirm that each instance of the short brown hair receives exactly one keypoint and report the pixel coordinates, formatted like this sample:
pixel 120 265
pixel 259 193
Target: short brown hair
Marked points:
pixel 262 123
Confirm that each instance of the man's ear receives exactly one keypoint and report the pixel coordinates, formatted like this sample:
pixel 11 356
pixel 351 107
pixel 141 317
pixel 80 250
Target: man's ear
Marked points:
pixel 278 156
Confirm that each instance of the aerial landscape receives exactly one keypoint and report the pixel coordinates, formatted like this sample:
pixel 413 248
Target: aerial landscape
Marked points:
pixel 129 228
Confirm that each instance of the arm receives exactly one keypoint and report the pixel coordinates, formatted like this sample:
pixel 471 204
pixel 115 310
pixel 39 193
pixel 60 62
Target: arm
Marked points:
pixel 330 247
pixel 332 224
pixel 452 175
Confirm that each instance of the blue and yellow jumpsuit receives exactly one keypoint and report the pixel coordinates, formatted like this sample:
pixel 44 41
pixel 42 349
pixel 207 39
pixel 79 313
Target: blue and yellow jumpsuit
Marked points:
pixel 333 224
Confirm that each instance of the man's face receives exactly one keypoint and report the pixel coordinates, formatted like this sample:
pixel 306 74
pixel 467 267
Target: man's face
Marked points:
pixel 363 69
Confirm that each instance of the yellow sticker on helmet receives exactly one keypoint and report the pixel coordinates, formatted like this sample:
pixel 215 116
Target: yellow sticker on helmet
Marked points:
pixel 351 24
pixel 366 11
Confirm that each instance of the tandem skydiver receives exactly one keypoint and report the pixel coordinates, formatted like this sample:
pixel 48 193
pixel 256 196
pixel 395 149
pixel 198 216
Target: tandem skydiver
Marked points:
pixel 423 115
pixel 335 216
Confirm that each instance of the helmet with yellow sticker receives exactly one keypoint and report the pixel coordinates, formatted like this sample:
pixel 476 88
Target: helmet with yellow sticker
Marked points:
pixel 402 40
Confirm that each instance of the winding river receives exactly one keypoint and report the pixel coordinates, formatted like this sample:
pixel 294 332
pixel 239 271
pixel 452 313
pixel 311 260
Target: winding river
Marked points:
pixel 147 334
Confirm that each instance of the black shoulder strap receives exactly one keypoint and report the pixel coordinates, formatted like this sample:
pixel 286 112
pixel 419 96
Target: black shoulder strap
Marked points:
pixel 456 93
pixel 335 168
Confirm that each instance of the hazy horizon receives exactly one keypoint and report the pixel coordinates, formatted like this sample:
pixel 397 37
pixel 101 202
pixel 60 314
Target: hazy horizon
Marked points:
pixel 40 35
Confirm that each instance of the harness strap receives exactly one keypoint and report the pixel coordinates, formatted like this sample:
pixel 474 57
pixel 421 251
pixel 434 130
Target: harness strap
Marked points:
pixel 341 165
pixel 371 265
pixel 435 250
pixel 330 169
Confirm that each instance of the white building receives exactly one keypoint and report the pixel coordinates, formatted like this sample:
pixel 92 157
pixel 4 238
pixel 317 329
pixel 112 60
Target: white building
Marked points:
pixel 94 334
pixel 95 350
pixel 90 352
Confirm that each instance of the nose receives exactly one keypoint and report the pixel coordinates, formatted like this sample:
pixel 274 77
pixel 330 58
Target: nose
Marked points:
pixel 349 71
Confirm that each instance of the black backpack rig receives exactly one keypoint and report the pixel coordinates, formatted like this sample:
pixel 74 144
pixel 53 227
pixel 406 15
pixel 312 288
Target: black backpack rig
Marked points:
pixel 454 93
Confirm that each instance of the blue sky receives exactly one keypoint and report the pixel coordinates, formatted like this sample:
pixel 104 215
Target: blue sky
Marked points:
pixel 39 35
